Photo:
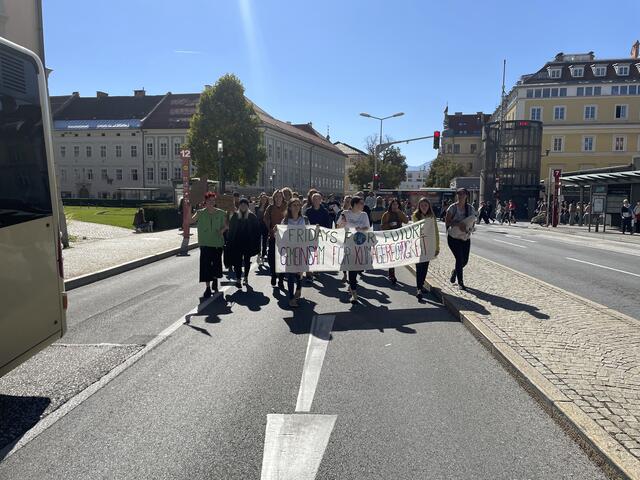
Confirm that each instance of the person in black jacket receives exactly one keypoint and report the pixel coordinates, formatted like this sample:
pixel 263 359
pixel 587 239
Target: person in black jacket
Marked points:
pixel 317 215
pixel 243 240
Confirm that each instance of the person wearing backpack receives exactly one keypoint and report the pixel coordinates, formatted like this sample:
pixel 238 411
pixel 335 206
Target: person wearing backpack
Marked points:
pixel 393 219
pixel 459 233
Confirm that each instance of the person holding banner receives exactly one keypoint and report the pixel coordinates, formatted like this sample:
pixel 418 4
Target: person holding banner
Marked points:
pixel 294 219
pixel 358 220
pixel 273 215
pixel 425 212
pixel 459 220
pixel 346 205
pixel 393 219
pixel 244 240
pixel 263 203
pixel 212 224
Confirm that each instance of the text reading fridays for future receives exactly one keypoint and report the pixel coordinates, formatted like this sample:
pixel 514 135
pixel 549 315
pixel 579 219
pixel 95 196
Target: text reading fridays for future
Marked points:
pixel 316 249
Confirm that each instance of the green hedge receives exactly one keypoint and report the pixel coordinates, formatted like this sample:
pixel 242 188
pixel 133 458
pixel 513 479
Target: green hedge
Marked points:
pixel 164 217
pixel 104 202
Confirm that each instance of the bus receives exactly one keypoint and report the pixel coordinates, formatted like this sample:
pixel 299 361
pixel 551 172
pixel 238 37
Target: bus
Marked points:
pixel 32 298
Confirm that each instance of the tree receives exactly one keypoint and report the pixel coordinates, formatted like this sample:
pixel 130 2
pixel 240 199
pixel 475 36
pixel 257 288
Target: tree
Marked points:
pixel 442 170
pixel 225 114
pixel 392 167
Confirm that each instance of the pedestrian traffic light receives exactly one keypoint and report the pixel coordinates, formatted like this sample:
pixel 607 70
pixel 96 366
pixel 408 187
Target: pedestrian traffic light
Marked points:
pixel 436 140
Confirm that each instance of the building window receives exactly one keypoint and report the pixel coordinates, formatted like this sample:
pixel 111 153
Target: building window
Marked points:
pixel 134 174
pixel 619 143
pixel 633 89
pixel 76 173
pixel 456 148
pixel 621 112
pixel 529 92
pixel 118 151
pixel 103 174
pixel 558 113
pixel 103 151
pixel 537 93
pixel 134 150
pixel 577 72
pixel 449 148
pixel 76 151
pixel 474 147
pixel 63 151
pixel 176 149
pixel 546 92
pixel 558 144
pixel 621 70
pixel 176 173
pixel 118 174
pixel 563 92
pixel 63 174
pixel 150 174
pixel 270 151
pixel 590 112
pixel 599 70
pixel 89 174
pixel 536 113
pixel 88 150
pixel 596 90
pixel 555 72
pixel 278 152
pixel 150 149
pixel 587 144
pixel 163 149
pixel 164 174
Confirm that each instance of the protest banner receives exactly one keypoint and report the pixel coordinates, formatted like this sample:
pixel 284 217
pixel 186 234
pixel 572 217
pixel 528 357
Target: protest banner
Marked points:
pixel 312 248
pixel 225 202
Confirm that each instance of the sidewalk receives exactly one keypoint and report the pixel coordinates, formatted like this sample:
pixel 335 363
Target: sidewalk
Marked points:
pixel 116 247
pixel 582 358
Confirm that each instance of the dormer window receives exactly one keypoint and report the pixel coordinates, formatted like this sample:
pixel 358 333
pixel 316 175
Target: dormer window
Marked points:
pixel 622 69
pixel 599 70
pixel 555 72
pixel 577 72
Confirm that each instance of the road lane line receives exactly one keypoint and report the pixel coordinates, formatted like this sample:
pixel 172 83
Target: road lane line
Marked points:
pixel 294 445
pixel 520 238
pixel 509 243
pixel 603 266
pixel 321 326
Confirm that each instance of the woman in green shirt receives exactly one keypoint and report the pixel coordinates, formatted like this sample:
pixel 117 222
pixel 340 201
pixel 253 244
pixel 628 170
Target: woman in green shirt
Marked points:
pixel 212 223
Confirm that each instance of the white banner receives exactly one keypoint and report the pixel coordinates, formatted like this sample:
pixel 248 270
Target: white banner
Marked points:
pixel 312 248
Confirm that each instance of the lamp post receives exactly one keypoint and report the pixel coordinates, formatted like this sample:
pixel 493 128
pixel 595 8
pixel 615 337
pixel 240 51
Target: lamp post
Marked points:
pixel 375 153
pixel 271 179
pixel 220 170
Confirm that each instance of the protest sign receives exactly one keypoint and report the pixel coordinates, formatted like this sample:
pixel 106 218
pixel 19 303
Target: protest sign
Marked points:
pixel 225 202
pixel 313 248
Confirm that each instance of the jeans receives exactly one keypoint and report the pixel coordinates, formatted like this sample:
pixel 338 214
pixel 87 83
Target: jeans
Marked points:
pixel 421 273
pixel 271 258
pixel 460 250
pixel 293 283
pixel 353 279
pixel 242 260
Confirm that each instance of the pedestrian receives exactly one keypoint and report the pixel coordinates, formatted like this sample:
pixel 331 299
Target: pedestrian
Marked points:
pixel 286 194
pixel 459 234
pixel 294 219
pixel 626 214
pixel 346 205
pixel 572 213
pixel 511 208
pixel 366 209
pixel 358 220
pixel 263 203
pixel 489 215
pixel 212 224
pixel 636 213
pixel 317 214
pixel 370 201
pixel 499 212
pixel 244 240
pixel 393 219
pixel 425 212
pixel 273 216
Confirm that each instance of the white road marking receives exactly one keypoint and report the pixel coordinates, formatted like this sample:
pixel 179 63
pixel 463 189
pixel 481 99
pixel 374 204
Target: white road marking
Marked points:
pixel 294 445
pixel 602 266
pixel 316 349
pixel 520 238
pixel 509 243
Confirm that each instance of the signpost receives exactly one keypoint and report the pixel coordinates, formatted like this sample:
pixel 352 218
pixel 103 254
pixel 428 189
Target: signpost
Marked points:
pixel 598 205
pixel 557 173
pixel 185 156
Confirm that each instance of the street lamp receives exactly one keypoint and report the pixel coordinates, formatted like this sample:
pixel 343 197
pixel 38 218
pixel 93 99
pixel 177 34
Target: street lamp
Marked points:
pixel 272 178
pixel 220 181
pixel 375 154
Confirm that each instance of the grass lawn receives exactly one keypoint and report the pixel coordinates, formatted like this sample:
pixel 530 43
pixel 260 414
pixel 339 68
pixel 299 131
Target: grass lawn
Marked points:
pixel 118 217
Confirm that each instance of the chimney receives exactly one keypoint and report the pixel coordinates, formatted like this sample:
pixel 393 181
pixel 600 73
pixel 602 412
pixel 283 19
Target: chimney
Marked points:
pixel 139 93
pixel 635 50
pixel 100 94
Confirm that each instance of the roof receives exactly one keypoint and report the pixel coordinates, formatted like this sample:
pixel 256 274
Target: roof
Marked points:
pixel 630 176
pixel 542 75
pixel 96 124
pixel 348 149
pixel 108 108
pixel 174 111
pixel 57 101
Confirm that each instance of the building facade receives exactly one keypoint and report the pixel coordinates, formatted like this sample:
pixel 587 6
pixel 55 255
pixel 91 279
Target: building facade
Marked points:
pixel 353 155
pixel 461 139
pixel 590 109
pixel 129 147
pixel 415 177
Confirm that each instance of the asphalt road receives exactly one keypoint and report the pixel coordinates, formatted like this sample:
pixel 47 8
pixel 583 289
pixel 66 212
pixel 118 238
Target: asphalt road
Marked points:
pixel 600 269
pixel 404 390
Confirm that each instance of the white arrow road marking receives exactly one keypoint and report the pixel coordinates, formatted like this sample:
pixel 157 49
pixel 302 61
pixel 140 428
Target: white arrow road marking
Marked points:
pixel 602 266
pixel 509 243
pixel 321 326
pixel 294 445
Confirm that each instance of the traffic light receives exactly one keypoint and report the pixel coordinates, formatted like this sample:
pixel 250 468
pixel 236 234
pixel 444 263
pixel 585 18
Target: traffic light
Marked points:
pixel 436 140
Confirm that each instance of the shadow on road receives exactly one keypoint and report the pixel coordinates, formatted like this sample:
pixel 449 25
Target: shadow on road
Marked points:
pixel 17 416
pixel 496 300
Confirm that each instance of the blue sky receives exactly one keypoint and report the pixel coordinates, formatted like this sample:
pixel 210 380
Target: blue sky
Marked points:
pixel 327 61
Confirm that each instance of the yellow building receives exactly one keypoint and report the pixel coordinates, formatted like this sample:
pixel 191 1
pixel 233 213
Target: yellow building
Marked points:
pixel 461 139
pixel 590 109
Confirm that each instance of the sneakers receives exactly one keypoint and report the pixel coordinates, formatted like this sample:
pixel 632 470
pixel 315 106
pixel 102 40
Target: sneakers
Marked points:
pixel 393 280
pixel 260 260
pixel 293 303
pixel 207 293
pixel 354 295
pixel 419 294
pixel 453 276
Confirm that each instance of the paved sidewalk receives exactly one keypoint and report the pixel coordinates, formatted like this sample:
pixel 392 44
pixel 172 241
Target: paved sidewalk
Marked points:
pixel 587 355
pixel 91 256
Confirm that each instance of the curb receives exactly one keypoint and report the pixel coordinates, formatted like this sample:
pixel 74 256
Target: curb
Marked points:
pixel 600 446
pixel 83 280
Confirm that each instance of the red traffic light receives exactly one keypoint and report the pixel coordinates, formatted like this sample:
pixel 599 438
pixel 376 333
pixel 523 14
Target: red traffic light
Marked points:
pixel 436 140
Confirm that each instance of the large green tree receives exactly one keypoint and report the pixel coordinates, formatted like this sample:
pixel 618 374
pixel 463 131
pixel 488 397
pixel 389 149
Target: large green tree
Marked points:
pixel 225 114
pixel 392 167
pixel 442 170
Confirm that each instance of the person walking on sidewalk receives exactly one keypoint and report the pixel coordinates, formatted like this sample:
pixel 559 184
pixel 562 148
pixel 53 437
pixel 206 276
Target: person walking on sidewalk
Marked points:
pixel 273 216
pixel 263 203
pixel 212 224
pixel 459 233
pixel 425 212
pixel 358 220
pixel 317 215
pixel 636 213
pixel 244 240
pixel 393 219
pixel 626 212
pixel 294 219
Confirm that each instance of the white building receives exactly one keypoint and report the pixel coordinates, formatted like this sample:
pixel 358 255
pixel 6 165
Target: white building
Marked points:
pixel 416 176
pixel 106 144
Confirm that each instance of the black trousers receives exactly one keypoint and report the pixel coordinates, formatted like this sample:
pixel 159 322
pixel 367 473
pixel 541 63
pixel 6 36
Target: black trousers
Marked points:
pixel 353 278
pixel 460 250
pixel 626 225
pixel 293 283
pixel 242 260
pixel 210 264
pixel 637 225
pixel 421 273
pixel 271 258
